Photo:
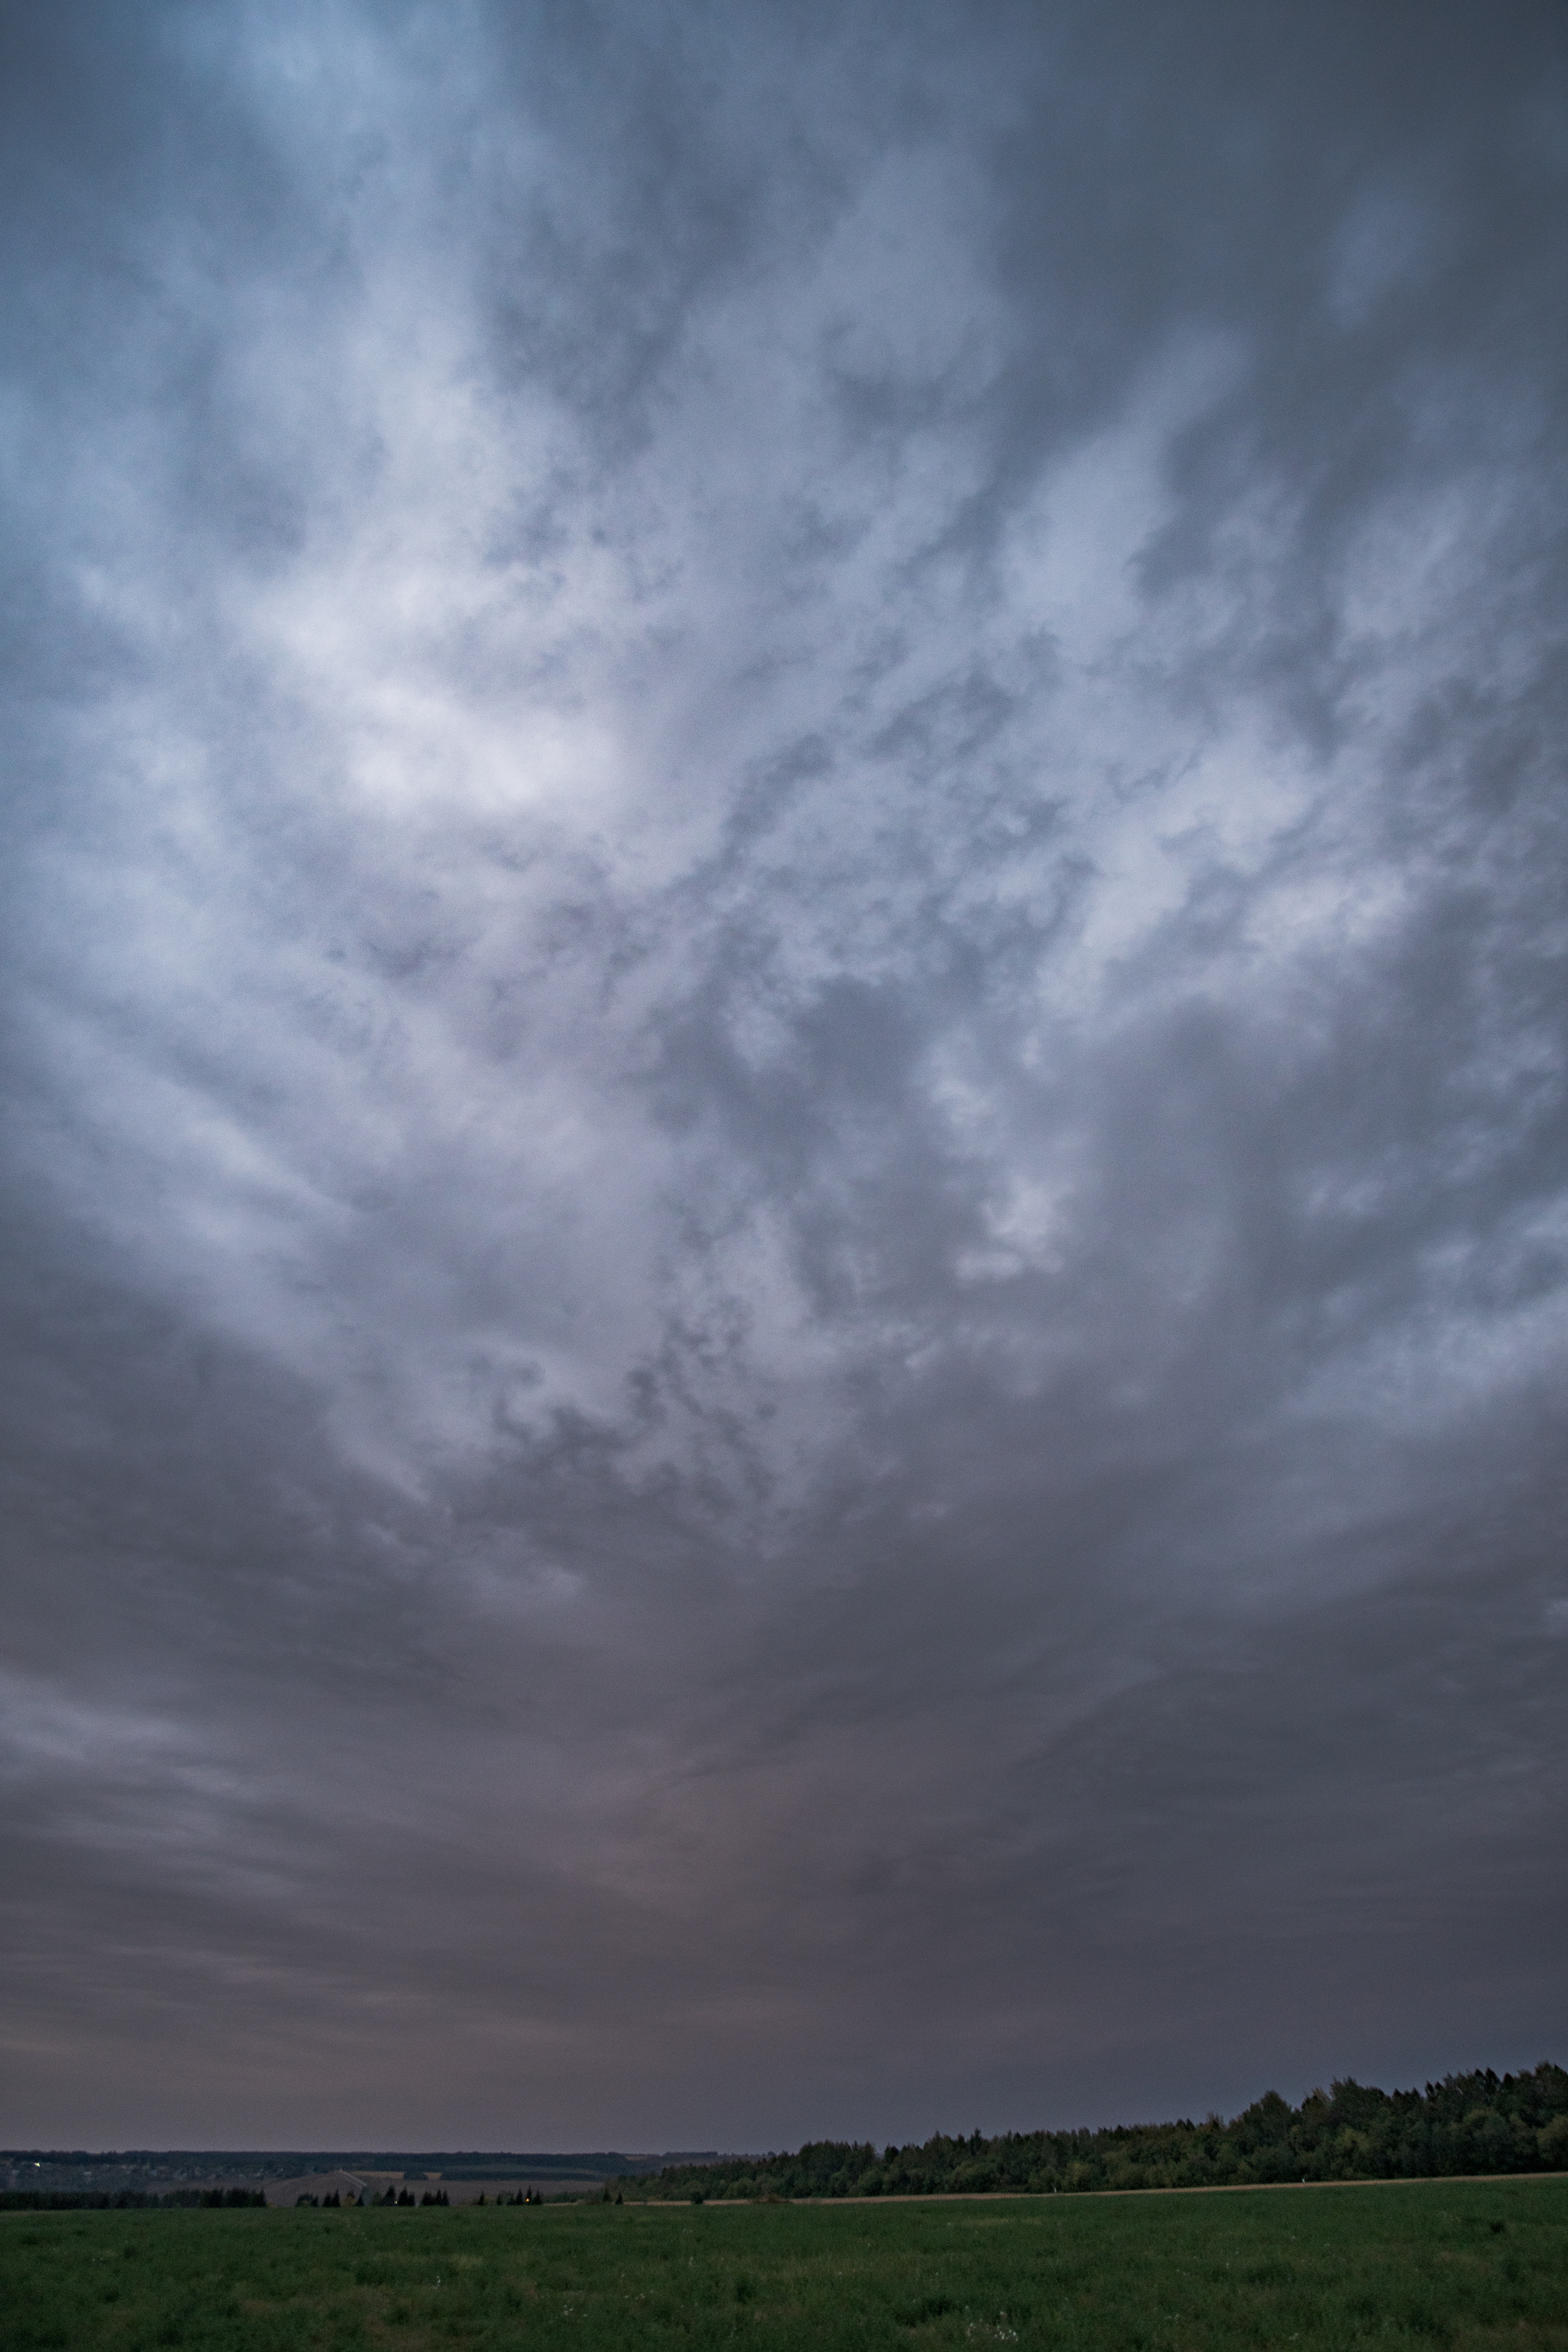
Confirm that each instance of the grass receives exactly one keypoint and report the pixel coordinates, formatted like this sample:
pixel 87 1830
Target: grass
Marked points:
pixel 1478 2267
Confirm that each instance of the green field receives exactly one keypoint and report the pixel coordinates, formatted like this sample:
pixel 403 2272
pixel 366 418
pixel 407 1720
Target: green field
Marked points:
pixel 1428 2265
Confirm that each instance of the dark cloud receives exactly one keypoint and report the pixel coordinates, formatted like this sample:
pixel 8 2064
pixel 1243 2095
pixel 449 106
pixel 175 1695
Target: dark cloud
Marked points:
pixel 785 1232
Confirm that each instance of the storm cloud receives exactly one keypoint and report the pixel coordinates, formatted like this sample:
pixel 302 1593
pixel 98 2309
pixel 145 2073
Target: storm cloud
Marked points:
pixel 786 1208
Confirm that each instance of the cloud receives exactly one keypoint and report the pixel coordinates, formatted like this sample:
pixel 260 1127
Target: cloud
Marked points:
pixel 787 1219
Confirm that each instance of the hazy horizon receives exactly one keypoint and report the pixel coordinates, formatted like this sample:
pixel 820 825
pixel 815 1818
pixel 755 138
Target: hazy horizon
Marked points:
pixel 786 1189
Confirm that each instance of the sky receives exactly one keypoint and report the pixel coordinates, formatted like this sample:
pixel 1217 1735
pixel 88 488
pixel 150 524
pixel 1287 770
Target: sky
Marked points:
pixel 785 1196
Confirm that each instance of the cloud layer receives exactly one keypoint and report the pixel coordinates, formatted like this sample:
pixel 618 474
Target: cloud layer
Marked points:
pixel 786 1212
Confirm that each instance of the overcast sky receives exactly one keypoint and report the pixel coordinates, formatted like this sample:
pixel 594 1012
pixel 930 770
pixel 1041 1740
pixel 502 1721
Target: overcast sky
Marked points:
pixel 786 1198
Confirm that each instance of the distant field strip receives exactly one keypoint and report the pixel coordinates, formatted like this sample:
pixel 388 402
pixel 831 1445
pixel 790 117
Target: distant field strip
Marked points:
pixel 1464 2267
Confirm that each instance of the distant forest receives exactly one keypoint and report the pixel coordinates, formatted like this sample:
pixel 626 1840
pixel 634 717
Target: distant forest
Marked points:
pixel 1473 2123
pixel 1467 2123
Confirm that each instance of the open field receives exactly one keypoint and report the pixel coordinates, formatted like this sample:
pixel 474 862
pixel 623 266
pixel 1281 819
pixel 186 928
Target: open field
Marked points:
pixel 458 2189
pixel 1476 2266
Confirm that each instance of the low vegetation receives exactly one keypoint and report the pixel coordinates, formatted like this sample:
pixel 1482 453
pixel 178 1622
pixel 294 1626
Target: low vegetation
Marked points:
pixel 1439 2267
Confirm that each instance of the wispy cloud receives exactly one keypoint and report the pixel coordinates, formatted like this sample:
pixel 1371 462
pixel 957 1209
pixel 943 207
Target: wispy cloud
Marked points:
pixel 787 1222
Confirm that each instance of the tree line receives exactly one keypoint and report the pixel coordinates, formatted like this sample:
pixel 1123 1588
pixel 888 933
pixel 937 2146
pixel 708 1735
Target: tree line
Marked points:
pixel 119 2201
pixel 1478 2122
pixel 392 2196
